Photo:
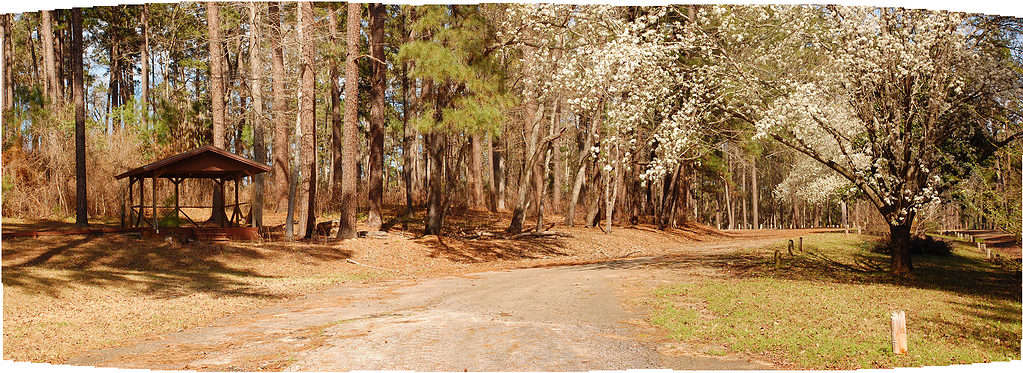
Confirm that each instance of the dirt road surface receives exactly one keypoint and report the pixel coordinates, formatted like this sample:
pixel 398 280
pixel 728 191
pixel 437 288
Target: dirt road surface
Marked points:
pixel 578 317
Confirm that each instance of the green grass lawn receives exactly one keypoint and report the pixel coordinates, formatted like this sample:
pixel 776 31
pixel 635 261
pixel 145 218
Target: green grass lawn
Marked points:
pixel 830 306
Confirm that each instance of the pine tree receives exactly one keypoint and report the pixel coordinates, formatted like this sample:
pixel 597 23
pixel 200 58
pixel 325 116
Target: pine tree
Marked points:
pixel 349 174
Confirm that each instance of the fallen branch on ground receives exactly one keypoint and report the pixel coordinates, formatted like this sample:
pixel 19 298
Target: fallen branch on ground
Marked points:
pixel 630 253
pixel 544 234
pixel 367 265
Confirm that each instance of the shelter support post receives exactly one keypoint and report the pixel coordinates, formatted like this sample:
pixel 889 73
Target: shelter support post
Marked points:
pixel 220 185
pixel 236 212
pixel 131 202
pixel 142 203
pixel 156 224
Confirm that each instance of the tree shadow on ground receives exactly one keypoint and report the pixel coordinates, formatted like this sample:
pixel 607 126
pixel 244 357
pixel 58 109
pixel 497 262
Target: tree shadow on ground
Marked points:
pixel 954 273
pixel 17 226
pixel 158 267
pixel 486 250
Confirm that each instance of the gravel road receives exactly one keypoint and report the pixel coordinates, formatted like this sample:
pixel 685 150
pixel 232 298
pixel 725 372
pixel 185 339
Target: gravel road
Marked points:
pixel 569 318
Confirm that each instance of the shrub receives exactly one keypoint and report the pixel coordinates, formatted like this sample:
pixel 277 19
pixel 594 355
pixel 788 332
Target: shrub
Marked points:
pixel 925 245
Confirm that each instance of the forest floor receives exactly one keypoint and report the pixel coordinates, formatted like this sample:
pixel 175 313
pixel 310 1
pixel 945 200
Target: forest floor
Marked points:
pixel 589 301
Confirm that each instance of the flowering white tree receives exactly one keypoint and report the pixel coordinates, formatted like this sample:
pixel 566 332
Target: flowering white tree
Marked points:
pixel 901 101
pixel 615 64
pixel 812 182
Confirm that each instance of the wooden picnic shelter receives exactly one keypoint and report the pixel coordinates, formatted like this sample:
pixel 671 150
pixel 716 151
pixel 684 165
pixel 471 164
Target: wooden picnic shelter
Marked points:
pixel 207 162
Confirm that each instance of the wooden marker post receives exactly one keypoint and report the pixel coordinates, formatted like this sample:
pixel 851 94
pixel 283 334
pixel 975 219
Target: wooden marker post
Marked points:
pixel 800 244
pixel 899 339
pixel 791 245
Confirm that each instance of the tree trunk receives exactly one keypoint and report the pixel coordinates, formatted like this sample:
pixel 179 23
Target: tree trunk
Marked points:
pixel 349 174
pixel 8 81
pixel 491 174
pixel 256 90
pixel 558 170
pixel 533 114
pixel 580 175
pixel 307 187
pixel 144 60
pixel 216 73
pixel 755 193
pixel 49 57
pixel 217 215
pixel 407 142
pixel 336 124
pixel 742 201
pixel 728 203
pixel 900 246
pixel 378 83
pixel 436 147
pixel 282 127
pixel 112 85
pixel 500 172
pixel 78 92
pixel 845 215
pixel 612 194
pixel 475 173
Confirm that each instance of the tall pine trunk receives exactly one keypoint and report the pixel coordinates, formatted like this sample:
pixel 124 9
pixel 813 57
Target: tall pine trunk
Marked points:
pixel 378 82
pixel 144 60
pixel 282 127
pixel 307 187
pixel 336 124
pixel 78 92
pixel 217 215
pixel 8 93
pixel 256 88
pixel 49 57
pixel 349 153
pixel 436 145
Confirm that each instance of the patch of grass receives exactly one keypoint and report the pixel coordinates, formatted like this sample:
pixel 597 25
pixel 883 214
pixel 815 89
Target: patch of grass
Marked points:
pixel 829 307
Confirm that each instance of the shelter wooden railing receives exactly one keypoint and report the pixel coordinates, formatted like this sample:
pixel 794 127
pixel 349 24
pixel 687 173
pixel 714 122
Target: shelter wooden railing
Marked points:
pixel 137 213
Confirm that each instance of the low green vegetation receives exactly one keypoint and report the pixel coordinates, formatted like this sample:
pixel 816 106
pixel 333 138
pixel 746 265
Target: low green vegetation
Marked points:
pixel 829 307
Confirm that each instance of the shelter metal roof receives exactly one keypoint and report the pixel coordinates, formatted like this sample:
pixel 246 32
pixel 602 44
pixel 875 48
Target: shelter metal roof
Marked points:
pixel 204 162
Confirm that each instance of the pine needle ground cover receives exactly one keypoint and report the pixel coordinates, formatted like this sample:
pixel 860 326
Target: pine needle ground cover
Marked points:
pixel 64 295
pixel 829 307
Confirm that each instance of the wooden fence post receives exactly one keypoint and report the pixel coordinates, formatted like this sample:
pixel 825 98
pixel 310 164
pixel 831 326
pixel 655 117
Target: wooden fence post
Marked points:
pixel 777 259
pixel 800 244
pixel 899 339
pixel 791 245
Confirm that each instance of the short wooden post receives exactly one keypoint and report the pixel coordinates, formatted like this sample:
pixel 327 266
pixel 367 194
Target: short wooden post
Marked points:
pixel 800 244
pixel 791 245
pixel 777 259
pixel 900 345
